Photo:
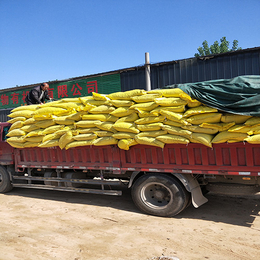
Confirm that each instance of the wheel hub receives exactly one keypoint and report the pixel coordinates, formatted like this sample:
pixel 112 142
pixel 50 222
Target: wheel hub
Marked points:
pixel 159 194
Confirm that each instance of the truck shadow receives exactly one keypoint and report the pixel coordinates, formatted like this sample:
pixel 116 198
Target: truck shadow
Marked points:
pixel 234 210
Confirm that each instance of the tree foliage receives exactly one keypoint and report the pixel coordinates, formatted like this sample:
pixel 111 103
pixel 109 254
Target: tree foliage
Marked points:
pixel 217 47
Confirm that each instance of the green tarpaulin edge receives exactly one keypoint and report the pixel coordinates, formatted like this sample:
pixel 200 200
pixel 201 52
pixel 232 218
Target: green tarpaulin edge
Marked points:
pixel 239 95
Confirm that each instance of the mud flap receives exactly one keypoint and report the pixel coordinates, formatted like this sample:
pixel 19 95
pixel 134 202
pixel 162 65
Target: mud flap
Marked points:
pixel 193 187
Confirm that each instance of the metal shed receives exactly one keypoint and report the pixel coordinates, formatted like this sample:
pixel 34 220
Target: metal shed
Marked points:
pixel 220 66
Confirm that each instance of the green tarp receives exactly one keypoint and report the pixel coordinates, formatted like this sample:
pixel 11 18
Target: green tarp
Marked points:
pixel 240 95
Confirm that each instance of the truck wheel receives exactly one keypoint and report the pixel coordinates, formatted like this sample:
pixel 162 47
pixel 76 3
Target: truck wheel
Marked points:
pixel 5 182
pixel 160 195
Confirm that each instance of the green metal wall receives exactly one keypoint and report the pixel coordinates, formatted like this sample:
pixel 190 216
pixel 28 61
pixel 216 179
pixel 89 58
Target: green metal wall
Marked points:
pixel 105 84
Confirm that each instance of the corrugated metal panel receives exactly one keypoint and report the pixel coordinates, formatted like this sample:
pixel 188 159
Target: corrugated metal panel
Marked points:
pixel 221 66
pixel 4 113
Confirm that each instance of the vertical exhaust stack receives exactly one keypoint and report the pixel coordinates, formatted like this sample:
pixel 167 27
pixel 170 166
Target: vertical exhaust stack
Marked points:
pixel 147 72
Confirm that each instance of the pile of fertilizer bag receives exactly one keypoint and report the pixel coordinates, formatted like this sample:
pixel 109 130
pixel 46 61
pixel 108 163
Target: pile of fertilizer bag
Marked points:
pixel 156 117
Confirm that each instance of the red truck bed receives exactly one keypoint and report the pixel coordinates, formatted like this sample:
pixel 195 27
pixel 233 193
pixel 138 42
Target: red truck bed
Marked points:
pixel 234 159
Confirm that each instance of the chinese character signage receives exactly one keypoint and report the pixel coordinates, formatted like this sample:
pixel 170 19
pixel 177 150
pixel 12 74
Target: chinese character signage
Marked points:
pixel 74 88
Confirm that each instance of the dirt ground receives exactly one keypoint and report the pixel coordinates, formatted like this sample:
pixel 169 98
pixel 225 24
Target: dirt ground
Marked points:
pixel 41 224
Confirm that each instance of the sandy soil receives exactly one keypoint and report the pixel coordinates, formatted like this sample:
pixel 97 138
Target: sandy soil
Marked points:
pixel 41 224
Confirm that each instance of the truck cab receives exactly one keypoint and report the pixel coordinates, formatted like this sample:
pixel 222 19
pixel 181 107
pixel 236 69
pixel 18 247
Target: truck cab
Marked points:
pixel 6 150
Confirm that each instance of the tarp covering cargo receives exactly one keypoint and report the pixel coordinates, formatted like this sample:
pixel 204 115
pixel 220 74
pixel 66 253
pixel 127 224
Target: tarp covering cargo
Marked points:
pixel 240 95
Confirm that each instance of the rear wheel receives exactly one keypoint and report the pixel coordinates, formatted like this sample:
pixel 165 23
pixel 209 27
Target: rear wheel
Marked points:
pixel 160 195
pixel 5 182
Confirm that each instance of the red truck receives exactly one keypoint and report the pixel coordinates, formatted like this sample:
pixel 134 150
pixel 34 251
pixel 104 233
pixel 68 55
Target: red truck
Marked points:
pixel 163 182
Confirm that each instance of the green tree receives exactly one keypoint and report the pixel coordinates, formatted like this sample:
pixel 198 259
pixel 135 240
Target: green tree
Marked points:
pixel 216 47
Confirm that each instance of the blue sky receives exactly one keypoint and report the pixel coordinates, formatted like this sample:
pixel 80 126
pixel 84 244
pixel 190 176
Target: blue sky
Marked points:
pixel 45 40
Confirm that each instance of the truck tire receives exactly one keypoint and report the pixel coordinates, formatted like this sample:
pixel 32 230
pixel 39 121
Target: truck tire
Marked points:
pixel 160 195
pixel 5 182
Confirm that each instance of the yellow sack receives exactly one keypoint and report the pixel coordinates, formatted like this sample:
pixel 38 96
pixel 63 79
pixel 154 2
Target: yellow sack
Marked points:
pixel 57 111
pixel 131 118
pixel 170 102
pixel 76 100
pixel 91 103
pixel 176 130
pixel 171 92
pixel 148 141
pixel 199 110
pixel 198 129
pixel 65 139
pixel 123 135
pixel 87 123
pixel 50 143
pixel 51 136
pixel 105 141
pixel 15 144
pixel 19 118
pixel 21 113
pixel 127 95
pixel 224 136
pixel 202 138
pixel 241 129
pixel 150 127
pixel 126 143
pixel 122 111
pixel 146 98
pixel 171 115
pixel 121 103
pixel 102 109
pixel 103 118
pixel 107 126
pixel 52 129
pixel 149 120
pixel 178 109
pixel 102 133
pixel 76 116
pixel 98 96
pixel 126 127
pixel 204 118
pixel 253 121
pixel 152 133
pixel 18 139
pixel 238 119
pixel 186 97
pixel 35 132
pixel 31 144
pixel 29 121
pixel 87 130
pixel 16 125
pixel 254 139
pixel 67 105
pixel 173 123
pixel 193 103
pixel 254 130
pixel 34 139
pixel 63 121
pixel 45 123
pixel 82 137
pixel 219 126
pixel 84 100
pixel 64 131
pixel 172 139
pixel 29 128
pixel 148 106
pixel 43 117
pixel 79 143
pixel 30 107
pixel 142 113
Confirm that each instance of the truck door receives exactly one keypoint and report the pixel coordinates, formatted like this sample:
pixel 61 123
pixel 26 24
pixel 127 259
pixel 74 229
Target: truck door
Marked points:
pixel 6 151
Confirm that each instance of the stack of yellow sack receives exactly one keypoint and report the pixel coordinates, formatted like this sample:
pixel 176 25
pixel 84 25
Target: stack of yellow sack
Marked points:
pixel 156 117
